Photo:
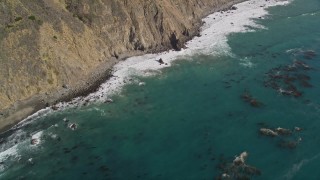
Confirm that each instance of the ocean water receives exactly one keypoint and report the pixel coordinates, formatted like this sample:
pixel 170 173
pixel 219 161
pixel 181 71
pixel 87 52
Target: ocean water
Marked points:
pixel 192 119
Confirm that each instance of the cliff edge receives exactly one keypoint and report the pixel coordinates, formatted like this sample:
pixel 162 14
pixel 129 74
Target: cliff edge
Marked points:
pixel 53 50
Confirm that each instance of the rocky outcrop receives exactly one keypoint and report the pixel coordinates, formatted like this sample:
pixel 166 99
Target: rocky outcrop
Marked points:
pixel 48 45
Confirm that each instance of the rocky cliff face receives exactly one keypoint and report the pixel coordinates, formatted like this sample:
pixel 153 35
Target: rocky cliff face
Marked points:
pixel 48 44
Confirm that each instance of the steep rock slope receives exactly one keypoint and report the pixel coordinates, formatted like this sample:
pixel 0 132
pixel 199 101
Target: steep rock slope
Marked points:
pixel 48 45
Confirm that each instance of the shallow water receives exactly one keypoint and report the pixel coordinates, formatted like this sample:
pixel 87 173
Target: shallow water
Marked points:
pixel 189 119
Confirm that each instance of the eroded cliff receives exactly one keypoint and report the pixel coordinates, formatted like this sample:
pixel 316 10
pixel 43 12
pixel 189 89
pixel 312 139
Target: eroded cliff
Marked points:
pixel 49 45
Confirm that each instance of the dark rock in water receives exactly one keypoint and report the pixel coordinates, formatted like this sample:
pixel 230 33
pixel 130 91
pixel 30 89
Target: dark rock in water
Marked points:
pixel 288 144
pixel 54 107
pixel 240 160
pixel 274 85
pixel 306 84
pixel 283 80
pixel 309 54
pixel 251 170
pixel 67 151
pixel 302 64
pixel 73 126
pixel 238 169
pixel 282 131
pixel 297 94
pixel 246 96
pixel 74 147
pixel 34 141
pixel 161 61
pixel 297 129
pixel 255 103
pixel 290 68
pixel 291 87
pixel 104 168
pixel 288 79
pixel 303 77
pixel 268 132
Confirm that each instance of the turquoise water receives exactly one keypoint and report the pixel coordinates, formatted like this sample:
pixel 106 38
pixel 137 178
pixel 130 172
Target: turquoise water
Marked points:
pixel 191 120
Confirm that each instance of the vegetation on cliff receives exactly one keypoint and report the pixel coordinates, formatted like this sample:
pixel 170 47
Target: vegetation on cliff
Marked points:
pixel 49 45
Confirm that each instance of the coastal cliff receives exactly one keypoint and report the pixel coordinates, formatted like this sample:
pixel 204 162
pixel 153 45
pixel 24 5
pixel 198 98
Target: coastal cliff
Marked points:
pixel 53 50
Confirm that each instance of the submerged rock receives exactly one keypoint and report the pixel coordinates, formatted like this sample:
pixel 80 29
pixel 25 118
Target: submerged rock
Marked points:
pixel 246 96
pixel 255 103
pixel 268 132
pixel 240 160
pixel 288 144
pixel 297 129
pixel 251 170
pixel 238 169
pixel 309 54
pixel 286 79
pixel 282 131
pixel 73 126
pixel 34 141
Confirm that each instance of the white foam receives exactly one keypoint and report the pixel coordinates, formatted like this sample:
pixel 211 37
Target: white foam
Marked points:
pixel 31 118
pixel 13 143
pixel 37 137
pixel 296 167
pixel 4 155
pixel 246 62
pixel 12 151
pixel 13 139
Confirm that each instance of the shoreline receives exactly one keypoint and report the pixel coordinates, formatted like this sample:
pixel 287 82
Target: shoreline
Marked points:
pixel 112 75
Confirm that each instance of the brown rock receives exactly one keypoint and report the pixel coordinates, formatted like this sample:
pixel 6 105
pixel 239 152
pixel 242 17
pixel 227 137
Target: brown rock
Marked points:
pixel 73 42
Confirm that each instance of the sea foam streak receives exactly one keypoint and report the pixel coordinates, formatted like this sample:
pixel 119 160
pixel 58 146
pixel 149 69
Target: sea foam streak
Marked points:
pixel 296 167
pixel 213 41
